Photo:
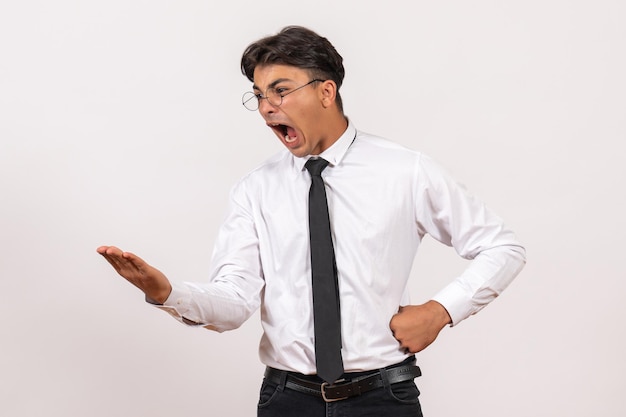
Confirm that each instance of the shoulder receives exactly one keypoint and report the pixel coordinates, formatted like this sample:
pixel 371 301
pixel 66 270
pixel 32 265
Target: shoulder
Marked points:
pixel 276 166
pixel 280 161
pixel 394 160
pixel 384 151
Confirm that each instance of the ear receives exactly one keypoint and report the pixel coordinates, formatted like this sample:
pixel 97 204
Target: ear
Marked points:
pixel 328 93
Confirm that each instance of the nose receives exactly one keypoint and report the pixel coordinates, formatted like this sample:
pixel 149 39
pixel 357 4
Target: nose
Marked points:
pixel 266 108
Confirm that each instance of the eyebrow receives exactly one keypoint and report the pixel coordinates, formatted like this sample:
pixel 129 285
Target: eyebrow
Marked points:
pixel 273 83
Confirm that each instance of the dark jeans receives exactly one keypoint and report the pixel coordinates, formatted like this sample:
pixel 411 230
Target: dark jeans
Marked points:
pixel 397 400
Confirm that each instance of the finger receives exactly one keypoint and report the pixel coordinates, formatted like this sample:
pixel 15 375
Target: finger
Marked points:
pixel 112 262
pixel 403 345
pixel 104 248
pixel 392 324
pixel 135 261
pixel 109 252
pixel 125 263
pixel 114 256
pixel 113 250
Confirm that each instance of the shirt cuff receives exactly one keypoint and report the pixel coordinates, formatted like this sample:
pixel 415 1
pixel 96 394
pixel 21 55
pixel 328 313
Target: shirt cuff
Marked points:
pixel 177 304
pixel 456 301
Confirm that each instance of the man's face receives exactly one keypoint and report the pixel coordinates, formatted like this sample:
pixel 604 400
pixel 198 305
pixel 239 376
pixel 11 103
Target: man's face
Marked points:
pixel 299 121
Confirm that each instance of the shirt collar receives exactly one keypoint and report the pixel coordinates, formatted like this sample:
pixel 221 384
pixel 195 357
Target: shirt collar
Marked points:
pixel 335 153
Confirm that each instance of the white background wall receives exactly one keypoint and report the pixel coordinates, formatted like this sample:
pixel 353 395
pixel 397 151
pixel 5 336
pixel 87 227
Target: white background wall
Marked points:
pixel 121 123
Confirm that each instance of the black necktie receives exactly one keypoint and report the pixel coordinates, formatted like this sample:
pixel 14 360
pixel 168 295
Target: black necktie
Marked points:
pixel 326 314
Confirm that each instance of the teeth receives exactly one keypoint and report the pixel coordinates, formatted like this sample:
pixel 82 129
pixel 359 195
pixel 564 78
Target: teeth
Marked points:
pixel 288 139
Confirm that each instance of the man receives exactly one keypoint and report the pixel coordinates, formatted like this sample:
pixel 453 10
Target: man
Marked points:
pixel 382 200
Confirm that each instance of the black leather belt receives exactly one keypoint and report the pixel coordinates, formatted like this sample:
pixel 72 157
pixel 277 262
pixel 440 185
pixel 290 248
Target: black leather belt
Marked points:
pixel 343 389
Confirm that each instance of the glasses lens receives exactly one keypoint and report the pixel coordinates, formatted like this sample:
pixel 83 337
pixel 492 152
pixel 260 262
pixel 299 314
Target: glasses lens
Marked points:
pixel 273 97
pixel 250 101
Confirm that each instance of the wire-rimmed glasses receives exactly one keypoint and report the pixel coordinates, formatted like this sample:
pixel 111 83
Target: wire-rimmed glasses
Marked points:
pixel 273 95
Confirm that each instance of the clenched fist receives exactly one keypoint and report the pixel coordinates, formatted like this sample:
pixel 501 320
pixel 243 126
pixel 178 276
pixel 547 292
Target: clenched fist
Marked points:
pixel 417 326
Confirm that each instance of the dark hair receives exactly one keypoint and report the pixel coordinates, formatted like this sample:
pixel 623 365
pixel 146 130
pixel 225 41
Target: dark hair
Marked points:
pixel 299 47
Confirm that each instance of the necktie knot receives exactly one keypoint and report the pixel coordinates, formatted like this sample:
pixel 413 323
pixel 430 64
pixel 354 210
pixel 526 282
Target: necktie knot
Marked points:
pixel 316 166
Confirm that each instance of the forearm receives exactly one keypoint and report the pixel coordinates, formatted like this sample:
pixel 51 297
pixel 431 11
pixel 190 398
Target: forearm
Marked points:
pixel 489 273
pixel 218 307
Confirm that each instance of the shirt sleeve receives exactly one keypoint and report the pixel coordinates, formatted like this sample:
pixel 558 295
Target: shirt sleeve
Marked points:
pixel 236 281
pixel 456 218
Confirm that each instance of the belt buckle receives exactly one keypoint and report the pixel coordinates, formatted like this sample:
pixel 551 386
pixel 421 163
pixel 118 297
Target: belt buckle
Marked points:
pixel 323 390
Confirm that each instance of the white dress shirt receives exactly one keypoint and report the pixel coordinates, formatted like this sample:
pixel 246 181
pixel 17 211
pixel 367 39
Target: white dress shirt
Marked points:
pixel 383 199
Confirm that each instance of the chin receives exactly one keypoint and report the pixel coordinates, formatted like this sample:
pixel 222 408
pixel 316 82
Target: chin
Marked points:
pixel 298 152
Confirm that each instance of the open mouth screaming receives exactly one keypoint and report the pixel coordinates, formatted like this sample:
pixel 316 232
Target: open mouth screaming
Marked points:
pixel 286 132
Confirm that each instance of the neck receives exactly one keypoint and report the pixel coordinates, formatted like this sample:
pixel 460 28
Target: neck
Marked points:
pixel 335 128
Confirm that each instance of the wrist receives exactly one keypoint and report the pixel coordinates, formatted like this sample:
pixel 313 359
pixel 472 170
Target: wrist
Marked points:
pixel 159 297
pixel 441 313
